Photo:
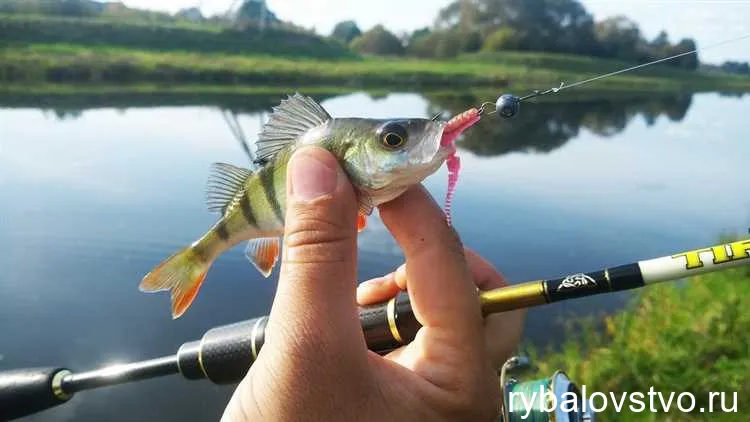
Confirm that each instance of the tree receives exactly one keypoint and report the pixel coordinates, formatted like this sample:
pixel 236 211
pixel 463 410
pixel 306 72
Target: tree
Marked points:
pixel 423 44
pixel 378 40
pixel 619 37
pixel 736 67
pixel 689 61
pixel 551 25
pixel 500 40
pixel 448 44
pixel 346 31
pixel 255 12
pixel 419 33
pixel 77 8
pixel 660 44
pixel 470 41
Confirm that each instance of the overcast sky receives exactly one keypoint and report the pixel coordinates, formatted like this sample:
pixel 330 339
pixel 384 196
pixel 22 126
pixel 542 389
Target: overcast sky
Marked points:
pixel 707 21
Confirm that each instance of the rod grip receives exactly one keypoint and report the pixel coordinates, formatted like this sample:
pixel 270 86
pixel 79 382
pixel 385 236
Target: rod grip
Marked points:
pixel 389 325
pixel 27 391
pixel 224 354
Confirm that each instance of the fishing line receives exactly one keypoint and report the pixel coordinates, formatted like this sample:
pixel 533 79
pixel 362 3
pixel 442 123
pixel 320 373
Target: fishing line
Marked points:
pixel 507 105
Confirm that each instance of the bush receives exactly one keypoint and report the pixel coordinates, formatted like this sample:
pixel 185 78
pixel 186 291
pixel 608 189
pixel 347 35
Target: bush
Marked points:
pixel 502 39
pixel 379 41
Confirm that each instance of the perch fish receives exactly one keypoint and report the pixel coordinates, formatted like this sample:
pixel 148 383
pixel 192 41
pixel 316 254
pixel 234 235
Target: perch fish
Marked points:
pixel 381 157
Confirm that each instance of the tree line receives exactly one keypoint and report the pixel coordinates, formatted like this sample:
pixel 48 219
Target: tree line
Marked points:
pixel 557 26
pixel 741 68
pixel 77 8
pixel 246 14
pixel 464 26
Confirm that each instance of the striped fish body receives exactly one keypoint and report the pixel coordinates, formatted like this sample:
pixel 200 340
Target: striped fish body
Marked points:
pixel 382 158
pixel 255 210
pixel 252 207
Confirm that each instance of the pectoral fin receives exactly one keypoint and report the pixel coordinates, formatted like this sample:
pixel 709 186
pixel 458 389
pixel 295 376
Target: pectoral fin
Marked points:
pixel 364 203
pixel 361 222
pixel 263 253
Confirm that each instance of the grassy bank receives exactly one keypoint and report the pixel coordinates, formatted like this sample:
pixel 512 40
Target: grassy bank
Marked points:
pixel 71 64
pixel 692 337
pixel 165 36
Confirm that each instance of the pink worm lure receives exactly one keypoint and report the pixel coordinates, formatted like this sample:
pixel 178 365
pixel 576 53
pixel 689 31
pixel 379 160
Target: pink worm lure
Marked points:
pixel 452 131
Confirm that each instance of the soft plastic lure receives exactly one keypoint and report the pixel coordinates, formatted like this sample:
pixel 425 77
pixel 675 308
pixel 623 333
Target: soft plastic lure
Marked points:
pixel 452 131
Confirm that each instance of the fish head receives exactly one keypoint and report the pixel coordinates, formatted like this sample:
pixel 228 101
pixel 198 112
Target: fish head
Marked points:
pixel 385 157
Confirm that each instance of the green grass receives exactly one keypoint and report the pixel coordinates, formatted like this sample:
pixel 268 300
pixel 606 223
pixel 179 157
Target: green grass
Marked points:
pixel 64 64
pixel 686 337
pixel 571 63
pixel 135 33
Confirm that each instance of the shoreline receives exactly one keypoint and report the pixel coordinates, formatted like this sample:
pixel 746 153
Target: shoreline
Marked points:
pixel 31 67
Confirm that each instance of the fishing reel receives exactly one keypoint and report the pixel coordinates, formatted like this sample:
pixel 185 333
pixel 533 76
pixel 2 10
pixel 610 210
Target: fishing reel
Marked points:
pixel 556 398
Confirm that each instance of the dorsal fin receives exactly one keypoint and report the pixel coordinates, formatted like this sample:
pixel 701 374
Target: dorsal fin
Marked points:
pixel 291 119
pixel 224 181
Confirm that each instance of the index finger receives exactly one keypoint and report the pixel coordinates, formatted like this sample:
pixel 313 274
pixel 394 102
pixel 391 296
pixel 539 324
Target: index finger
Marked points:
pixel 440 285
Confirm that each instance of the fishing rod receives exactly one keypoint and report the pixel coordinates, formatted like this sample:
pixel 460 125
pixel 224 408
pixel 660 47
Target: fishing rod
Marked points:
pixel 224 354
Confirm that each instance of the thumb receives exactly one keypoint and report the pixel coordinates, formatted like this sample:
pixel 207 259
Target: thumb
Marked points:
pixel 316 296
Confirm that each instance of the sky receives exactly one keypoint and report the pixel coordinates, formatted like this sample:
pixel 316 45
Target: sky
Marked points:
pixel 707 21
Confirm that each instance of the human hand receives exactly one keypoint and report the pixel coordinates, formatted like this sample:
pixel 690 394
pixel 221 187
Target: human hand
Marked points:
pixel 502 332
pixel 314 364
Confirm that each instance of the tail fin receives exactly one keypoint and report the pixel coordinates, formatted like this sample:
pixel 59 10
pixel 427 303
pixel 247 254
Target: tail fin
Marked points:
pixel 182 274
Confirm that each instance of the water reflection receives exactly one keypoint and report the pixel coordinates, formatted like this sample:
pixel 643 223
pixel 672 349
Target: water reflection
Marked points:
pixel 540 127
pixel 67 106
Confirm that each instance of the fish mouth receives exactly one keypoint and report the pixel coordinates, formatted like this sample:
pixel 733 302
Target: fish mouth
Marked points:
pixel 450 132
pixel 431 151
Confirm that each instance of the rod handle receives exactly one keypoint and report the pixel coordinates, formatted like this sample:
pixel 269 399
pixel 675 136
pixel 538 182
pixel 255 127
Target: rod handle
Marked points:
pixel 27 391
pixel 224 354
pixel 389 325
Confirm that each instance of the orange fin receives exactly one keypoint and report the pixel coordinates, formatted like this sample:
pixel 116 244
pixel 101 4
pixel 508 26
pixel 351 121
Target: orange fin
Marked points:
pixel 263 253
pixel 182 274
pixel 361 222
pixel 182 299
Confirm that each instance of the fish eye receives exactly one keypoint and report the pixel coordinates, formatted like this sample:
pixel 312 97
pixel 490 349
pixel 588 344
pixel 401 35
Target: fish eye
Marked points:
pixel 393 135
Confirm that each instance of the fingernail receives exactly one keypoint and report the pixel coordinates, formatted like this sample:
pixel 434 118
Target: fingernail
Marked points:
pixel 399 276
pixel 369 284
pixel 311 177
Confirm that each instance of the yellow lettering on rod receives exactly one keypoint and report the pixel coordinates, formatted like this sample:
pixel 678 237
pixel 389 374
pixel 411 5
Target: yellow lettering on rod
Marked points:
pixel 693 258
pixel 739 250
pixel 720 254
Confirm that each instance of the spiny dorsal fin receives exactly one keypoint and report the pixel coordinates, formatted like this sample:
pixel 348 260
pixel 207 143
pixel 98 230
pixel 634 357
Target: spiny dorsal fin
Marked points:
pixel 224 182
pixel 291 119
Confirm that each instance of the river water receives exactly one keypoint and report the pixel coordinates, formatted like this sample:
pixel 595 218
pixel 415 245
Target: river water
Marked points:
pixel 96 191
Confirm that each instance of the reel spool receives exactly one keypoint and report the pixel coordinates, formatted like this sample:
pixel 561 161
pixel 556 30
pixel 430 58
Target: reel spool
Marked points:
pixel 541 400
